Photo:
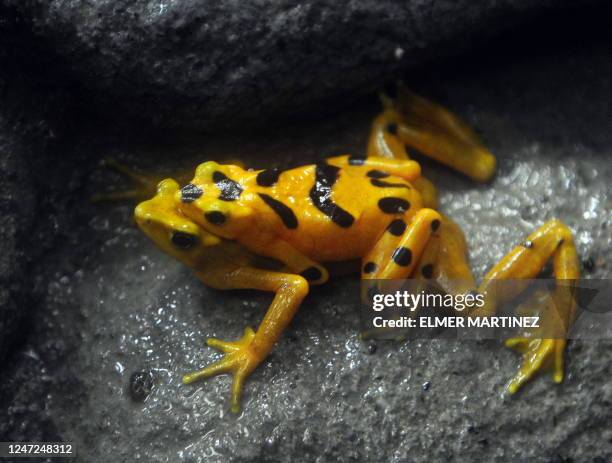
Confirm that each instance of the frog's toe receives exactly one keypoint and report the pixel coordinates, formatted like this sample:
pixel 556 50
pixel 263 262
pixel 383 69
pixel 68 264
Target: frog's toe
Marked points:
pixel 538 354
pixel 232 346
pixel 145 185
pixel 519 344
pixel 239 360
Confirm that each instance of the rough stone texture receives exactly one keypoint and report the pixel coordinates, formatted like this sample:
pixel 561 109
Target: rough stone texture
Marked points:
pixel 33 118
pixel 16 196
pixel 201 63
pixel 114 305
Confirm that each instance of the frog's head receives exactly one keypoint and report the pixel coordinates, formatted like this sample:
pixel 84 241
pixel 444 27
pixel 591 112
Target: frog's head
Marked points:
pixel 214 199
pixel 171 231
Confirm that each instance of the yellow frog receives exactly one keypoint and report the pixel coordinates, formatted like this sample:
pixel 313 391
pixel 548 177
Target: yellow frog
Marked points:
pixel 376 207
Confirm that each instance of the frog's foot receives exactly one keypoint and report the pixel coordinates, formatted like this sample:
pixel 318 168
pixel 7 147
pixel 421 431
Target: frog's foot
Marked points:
pixel 538 354
pixel 239 360
pixel 409 120
pixel 145 185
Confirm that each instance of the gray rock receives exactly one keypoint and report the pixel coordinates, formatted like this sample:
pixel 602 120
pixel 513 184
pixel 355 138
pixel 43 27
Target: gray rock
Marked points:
pixel 203 64
pixel 18 212
pixel 115 305
pixel 31 123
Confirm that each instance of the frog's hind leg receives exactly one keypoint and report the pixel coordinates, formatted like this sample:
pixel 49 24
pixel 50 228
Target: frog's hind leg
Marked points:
pixel 409 119
pixel 436 248
pixel 384 142
pixel 378 168
pixel 443 265
pixel 398 252
pixel 243 356
pixel 399 249
pixel 445 260
pixel 553 239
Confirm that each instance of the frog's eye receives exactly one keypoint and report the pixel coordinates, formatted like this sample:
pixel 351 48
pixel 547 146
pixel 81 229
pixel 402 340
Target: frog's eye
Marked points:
pixel 215 217
pixel 183 240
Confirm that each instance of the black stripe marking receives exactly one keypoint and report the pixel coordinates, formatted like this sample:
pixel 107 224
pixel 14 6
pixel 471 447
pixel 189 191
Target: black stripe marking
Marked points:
pixel 377 174
pixel 230 189
pixel 320 194
pixel 284 212
pixel 312 274
pixel 393 205
pixel 190 192
pixel 427 271
pixel 397 227
pixel 268 177
pixel 402 256
pixel 370 267
pixel 383 184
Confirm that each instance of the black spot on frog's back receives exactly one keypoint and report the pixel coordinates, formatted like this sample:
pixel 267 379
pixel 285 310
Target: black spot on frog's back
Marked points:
pixel 392 205
pixel 383 184
pixel 190 192
pixel 230 189
pixel 268 177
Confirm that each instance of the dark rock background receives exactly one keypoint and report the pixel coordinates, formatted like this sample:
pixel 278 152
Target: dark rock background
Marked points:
pixel 203 64
pixel 87 301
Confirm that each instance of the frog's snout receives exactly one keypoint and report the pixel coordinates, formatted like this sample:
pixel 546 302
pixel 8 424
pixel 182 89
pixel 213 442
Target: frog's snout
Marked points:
pixel 145 219
pixel 159 219
pixel 141 215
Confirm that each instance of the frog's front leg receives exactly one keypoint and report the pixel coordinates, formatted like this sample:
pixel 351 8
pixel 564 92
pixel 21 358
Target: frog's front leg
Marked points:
pixel 293 259
pixel 144 184
pixel 144 187
pixel 243 356
pixel 553 239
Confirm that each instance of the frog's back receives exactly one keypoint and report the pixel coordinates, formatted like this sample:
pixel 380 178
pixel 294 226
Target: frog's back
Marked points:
pixel 338 210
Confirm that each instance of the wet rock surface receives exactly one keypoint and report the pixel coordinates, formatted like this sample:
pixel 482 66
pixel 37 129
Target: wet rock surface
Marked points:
pixel 199 64
pixel 118 316
pixel 21 138
pixel 14 194
pixel 32 187
pixel 116 323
